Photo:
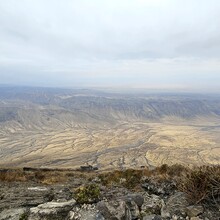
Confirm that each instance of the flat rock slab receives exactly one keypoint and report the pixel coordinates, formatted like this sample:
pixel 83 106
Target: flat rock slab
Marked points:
pixel 23 196
pixel 193 211
pixel 38 188
pixel 12 214
pixel 51 210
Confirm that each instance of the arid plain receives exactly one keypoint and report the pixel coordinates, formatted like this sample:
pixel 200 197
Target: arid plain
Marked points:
pixel 68 128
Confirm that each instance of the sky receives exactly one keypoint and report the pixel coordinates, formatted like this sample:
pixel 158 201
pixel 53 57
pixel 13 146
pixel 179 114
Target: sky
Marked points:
pixel 152 44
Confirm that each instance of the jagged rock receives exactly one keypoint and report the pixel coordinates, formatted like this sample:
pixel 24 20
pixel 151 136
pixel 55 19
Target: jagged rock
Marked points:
pixel 174 217
pixel 13 214
pixel 51 210
pixel 152 204
pixel 96 180
pixel 165 212
pixel 63 194
pixel 113 210
pixel 99 217
pixel 137 198
pixel 151 217
pixel 88 215
pixel 176 205
pixel 131 210
pixel 118 203
pixel 105 209
pixel 128 207
pixel 193 211
pixel 195 218
pixel 164 188
pixel 86 211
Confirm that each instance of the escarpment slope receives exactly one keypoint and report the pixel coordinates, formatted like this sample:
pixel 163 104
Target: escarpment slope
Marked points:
pixel 45 127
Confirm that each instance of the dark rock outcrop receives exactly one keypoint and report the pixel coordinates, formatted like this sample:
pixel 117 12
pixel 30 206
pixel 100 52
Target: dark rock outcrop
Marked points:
pixel 39 202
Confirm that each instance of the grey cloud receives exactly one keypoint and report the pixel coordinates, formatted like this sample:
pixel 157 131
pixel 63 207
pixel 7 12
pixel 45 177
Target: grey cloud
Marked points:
pixel 108 40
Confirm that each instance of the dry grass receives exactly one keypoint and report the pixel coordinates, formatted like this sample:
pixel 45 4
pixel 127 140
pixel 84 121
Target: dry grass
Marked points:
pixel 201 184
pixel 129 178
pixel 40 176
pixel 174 170
pixel 50 178
pixel 13 176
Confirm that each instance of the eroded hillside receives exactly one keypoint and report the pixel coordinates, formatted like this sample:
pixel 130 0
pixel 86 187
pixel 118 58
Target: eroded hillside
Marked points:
pixel 67 128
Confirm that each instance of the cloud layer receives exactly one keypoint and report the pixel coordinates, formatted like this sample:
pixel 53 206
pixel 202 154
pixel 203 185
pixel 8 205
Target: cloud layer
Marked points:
pixel 134 43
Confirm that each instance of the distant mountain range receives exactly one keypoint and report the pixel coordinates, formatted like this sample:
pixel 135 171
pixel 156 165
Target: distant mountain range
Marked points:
pixel 105 106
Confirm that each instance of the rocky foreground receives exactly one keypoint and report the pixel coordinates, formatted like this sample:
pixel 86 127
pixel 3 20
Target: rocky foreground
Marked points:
pixel 127 195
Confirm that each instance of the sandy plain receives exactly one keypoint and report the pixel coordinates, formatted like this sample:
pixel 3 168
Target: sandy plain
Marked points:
pixel 127 144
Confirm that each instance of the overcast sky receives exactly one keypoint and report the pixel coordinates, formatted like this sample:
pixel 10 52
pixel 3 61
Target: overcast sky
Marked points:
pixel 162 44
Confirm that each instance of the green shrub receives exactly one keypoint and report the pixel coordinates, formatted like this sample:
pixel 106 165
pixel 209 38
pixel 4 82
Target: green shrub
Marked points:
pixel 87 194
pixel 23 216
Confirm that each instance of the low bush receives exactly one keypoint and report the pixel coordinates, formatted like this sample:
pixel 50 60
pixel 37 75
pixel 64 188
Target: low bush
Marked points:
pixel 23 216
pixel 87 194
pixel 129 178
pixel 171 171
pixel 202 184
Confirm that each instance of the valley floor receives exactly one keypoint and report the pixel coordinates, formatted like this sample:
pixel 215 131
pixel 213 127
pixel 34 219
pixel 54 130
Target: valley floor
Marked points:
pixel 127 144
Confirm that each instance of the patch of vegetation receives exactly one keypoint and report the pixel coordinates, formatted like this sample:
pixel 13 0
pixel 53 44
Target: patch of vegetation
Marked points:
pixel 87 194
pixel 45 177
pixel 8 175
pixel 176 170
pixel 129 178
pixel 51 177
pixel 202 184
pixel 23 216
pixel 171 171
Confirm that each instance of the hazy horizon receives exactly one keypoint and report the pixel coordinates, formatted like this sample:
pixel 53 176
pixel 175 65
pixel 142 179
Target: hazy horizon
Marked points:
pixel 144 44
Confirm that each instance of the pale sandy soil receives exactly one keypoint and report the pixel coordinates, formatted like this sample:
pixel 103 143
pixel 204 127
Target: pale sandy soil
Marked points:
pixel 128 144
